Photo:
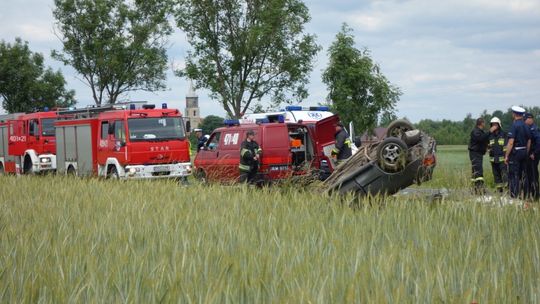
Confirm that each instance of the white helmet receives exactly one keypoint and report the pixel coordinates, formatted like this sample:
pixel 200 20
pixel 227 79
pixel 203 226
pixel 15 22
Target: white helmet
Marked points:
pixel 496 120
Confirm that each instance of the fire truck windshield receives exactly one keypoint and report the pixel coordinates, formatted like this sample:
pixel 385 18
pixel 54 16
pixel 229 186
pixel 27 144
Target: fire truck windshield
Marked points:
pixel 155 129
pixel 47 127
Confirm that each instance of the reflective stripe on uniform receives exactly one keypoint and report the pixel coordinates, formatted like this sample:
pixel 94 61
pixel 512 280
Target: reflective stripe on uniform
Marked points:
pixel 244 151
pixel 347 142
pixel 501 141
pixel 477 179
pixel 259 151
pixel 243 167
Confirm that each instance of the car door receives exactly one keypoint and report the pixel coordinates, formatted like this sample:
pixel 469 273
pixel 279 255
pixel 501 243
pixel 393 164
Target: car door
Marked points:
pixel 324 137
pixel 206 159
pixel 229 157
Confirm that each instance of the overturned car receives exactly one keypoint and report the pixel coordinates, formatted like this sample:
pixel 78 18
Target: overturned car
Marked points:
pixel 406 156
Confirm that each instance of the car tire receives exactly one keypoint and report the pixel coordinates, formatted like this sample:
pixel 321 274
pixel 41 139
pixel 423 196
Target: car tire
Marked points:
pixel 412 137
pixel 398 128
pixel 113 173
pixel 392 155
pixel 201 176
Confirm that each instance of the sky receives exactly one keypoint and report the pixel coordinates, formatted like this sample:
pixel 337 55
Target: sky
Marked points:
pixel 449 58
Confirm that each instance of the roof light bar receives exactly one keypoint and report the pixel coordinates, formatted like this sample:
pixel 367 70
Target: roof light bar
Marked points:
pixel 299 108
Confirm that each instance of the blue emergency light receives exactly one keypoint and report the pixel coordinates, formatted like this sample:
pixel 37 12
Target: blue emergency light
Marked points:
pixel 132 106
pixel 293 108
pixel 231 122
pixel 164 106
pixel 321 108
pixel 46 109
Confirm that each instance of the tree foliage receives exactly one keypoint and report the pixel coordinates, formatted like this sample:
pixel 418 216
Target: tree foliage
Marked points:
pixel 210 123
pixel 358 91
pixel 25 84
pixel 117 46
pixel 244 50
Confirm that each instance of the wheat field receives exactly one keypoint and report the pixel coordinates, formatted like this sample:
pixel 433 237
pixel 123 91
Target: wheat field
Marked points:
pixel 91 240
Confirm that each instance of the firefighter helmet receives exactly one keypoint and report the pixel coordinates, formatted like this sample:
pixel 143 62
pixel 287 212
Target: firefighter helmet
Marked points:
pixel 496 120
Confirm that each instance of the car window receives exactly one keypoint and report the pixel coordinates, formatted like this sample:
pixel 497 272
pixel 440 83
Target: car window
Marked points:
pixel 119 130
pixel 104 129
pixel 213 142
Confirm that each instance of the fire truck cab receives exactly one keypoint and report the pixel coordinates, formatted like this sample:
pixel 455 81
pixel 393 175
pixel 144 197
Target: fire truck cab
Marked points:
pixel 287 149
pixel 27 143
pixel 134 143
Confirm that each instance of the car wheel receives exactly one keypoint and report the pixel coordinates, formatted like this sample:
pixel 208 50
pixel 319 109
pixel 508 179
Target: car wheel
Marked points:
pixel 412 137
pixel 392 155
pixel 201 176
pixel 398 128
pixel 113 173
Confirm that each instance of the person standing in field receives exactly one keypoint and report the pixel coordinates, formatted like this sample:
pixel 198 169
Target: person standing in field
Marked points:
pixel 497 150
pixel 519 143
pixel 534 156
pixel 250 154
pixel 477 148
pixel 342 150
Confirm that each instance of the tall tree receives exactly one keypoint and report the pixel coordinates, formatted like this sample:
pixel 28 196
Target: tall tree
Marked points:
pixel 25 84
pixel 358 91
pixel 117 46
pixel 244 50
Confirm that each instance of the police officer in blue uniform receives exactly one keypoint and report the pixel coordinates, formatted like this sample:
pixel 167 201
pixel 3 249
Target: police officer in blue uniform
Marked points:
pixel 201 140
pixel 534 156
pixel 519 143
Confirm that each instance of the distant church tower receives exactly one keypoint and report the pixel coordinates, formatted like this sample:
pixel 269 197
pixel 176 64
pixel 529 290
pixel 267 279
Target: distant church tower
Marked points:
pixel 192 112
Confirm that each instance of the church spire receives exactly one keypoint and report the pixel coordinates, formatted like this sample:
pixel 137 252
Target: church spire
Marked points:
pixel 191 91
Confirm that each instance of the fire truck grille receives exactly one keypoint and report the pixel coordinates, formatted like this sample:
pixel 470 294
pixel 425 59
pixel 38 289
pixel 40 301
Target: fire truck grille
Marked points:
pixel 164 173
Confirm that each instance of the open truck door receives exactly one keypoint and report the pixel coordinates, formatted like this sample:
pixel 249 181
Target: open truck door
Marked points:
pixel 324 137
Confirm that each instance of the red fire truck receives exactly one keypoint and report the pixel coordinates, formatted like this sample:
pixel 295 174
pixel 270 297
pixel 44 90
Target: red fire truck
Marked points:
pixel 288 149
pixel 121 142
pixel 27 143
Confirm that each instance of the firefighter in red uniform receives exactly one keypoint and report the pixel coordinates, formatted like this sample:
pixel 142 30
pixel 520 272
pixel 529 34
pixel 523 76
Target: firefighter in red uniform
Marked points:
pixel 250 153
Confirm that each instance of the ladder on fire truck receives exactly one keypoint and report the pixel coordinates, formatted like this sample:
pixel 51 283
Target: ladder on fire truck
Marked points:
pixel 92 111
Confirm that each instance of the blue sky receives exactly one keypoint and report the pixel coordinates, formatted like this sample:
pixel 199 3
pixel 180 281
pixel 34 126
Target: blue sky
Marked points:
pixel 449 58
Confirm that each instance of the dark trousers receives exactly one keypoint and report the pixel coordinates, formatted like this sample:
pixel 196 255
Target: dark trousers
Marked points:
pixel 500 175
pixel 516 172
pixel 477 171
pixel 248 176
pixel 532 178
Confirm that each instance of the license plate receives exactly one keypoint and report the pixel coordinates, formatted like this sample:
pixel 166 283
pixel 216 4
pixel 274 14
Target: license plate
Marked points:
pixel 161 168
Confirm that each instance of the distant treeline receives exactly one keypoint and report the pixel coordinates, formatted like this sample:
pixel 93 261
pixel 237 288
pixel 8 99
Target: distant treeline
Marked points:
pixel 448 132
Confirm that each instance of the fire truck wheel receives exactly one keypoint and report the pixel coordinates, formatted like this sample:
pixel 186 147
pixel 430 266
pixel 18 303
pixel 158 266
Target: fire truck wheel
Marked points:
pixel 392 155
pixel 113 173
pixel 398 128
pixel 27 166
pixel 71 171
